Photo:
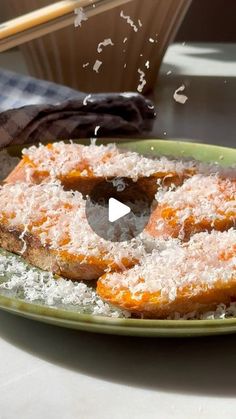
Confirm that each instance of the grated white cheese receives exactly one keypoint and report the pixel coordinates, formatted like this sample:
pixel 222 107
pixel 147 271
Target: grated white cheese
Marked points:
pixel 87 99
pixel 58 219
pixel 142 80
pixel 28 283
pixel 61 158
pixel 96 130
pixel 97 66
pixel 129 21
pixel 136 166
pixel 179 97
pixel 151 40
pixel 221 312
pixel 80 17
pixel 85 65
pixel 104 43
pixel 208 198
pixel 196 265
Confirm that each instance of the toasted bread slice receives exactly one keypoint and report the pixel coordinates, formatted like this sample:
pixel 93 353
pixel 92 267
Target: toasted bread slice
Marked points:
pixel 202 203
pixel 81 167
pixel 194 276
pixel 48 227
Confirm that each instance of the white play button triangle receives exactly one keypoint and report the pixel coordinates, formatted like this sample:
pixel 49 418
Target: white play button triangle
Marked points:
pixel 117 210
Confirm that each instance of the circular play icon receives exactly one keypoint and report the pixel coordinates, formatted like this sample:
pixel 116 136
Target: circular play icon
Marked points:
pixel 117 210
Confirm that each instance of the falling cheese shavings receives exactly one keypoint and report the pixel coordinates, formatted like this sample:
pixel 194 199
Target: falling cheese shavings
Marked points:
pixel 151 40
pixel 85 65
pixel 129 21
pixel 104 43
pixel 140 23
pixel 86 100
pixel 97 66
pixel 80 17
pixel 147 64
pixel 168 73
pixel 96 130
pixel 142 81
pixel 125 40
pixel 179 97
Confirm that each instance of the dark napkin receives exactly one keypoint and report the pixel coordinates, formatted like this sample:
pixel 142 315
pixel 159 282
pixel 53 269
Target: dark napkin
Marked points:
pixel 81 116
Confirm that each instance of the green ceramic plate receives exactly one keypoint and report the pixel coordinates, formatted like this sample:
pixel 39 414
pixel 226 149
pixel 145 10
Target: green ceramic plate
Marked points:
pixel 133 327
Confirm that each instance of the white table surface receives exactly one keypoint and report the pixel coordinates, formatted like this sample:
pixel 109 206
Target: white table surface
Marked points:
pixel 50 372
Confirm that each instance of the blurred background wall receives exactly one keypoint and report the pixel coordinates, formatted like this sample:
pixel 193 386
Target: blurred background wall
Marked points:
pixel 209 20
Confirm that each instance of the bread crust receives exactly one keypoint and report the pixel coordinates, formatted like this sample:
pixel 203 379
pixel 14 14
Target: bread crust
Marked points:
pixel 47 259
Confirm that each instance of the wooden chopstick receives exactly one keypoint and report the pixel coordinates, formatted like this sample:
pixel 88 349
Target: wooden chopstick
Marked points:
pixel 49 19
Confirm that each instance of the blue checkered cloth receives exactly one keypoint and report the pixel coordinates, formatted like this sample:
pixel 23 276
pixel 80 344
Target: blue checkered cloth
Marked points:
pixel 33 110
pixel 17 90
